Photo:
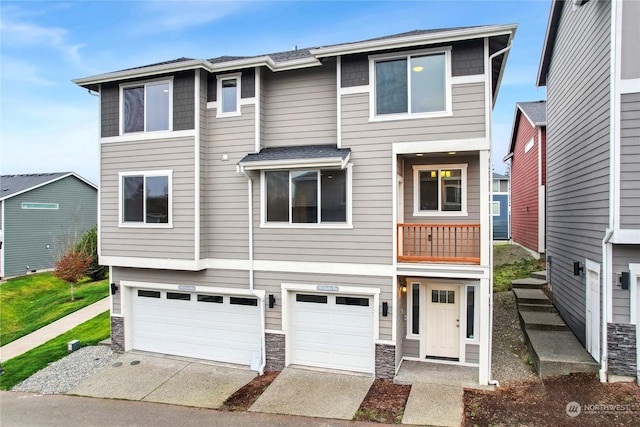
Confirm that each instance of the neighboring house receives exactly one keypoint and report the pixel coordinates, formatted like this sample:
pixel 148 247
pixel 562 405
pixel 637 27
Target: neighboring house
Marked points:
pixel 527 152
pixel 500 207
pixel 591 68
pixel 40 215
pixel 325 207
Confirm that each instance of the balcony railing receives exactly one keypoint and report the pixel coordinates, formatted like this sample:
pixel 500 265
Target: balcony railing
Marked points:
pixel 458 243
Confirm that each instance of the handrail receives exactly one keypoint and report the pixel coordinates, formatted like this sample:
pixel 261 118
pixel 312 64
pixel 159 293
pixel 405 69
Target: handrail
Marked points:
pixel 439 243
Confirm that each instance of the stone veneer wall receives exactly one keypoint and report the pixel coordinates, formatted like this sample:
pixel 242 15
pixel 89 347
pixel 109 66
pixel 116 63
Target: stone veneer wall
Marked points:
pixel 621 347
pixel 385 361
pixel 117 334
pixel 275 349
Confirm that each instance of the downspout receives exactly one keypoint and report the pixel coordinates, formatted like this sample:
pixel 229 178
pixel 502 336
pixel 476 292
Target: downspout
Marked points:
pixel 605 294
pixel 492 381
pixel 263 349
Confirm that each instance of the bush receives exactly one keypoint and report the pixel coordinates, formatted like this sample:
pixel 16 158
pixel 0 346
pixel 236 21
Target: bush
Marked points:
pixel 89 246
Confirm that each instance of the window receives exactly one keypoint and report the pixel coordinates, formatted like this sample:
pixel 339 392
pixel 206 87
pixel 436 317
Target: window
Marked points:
pixel 443 297
pixel 440 190
pixel 243 301
pixel 145 199
pixel 305 196
pixel 148 294
pixel 46 206
pixel 363 302
pixel 496 186
pixel 228 95
pixel 471 311
pixel 528 146
pixel 412 84
pixel 179 296
pixel 146 107
pixel 210 298
pixel 495 208
pixel 415 306
pixel 317 299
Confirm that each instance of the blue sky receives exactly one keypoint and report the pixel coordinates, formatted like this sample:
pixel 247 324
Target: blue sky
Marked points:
pixel 47 124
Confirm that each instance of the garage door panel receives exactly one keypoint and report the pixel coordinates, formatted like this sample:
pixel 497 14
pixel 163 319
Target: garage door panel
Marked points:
pixel 195 328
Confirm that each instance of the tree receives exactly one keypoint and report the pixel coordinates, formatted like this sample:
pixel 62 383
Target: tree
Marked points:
pixel 89 246
pixel 72 267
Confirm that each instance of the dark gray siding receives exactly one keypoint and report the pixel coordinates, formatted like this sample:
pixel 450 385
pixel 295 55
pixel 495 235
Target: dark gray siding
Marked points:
pixel 110 109
pixel 27 232
pixel 630 161
pixel 577 152
pixel 355 71
pixel 183 101
pixel 623 255
pixel 247 85
pixel 467 58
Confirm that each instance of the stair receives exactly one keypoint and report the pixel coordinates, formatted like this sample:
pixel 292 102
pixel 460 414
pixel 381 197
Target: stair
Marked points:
pixel 553 347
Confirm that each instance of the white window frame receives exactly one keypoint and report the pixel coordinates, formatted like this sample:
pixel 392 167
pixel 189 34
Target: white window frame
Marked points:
pixel 121 223
pixel 373 59
pixel 476 314
pixel 529 145
pixel 493 205
pixel 144 83
pixel 416 190
pixel 40 206
pixel 219 100
pixel 329 225
pixel 409 322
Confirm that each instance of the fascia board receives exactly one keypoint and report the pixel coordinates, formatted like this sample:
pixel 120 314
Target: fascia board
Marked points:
pixel 294 163
pixel 143 72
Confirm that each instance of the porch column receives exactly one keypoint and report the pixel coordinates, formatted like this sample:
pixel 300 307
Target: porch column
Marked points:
pixel 484 370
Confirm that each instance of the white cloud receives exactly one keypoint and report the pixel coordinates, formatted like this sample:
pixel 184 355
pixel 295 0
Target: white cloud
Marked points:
pixel 19 71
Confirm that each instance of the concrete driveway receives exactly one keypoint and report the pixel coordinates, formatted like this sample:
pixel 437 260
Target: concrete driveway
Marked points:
pixel 164 379
pixel 314 394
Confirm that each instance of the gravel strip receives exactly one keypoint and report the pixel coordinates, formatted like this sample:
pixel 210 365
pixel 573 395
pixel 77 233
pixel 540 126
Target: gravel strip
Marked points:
pixel 510 354
pixel 61 376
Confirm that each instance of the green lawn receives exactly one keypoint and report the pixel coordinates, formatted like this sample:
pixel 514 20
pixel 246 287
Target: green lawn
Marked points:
pixel 512 262
pixel 30 302
pixel 22 367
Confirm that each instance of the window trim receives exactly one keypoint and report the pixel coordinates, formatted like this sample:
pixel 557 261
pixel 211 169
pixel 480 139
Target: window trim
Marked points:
pixel 409 321
pixel 529 145
pixel 493 204
pixel 373 59
pixel 121 175
pixel 416 189
pixel 476 314
pixel 328 225
pixel 40 206
pixel 144 83
pixel 219 100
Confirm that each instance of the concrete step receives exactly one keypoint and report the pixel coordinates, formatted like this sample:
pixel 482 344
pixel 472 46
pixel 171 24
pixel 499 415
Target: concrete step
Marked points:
pixel 536 307
pixel 542 275
pixel 542 320
pixel 531 296
pixel 528 283
pixel 557 353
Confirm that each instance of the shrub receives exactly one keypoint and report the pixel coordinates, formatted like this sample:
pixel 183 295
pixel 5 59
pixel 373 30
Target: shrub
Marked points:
pixel 89 246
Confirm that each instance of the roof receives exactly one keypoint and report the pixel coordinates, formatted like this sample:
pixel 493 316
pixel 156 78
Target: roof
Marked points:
pixel 536 114
pixel 299 156
pixel 499 176
pixel 301 58
pixel 12 185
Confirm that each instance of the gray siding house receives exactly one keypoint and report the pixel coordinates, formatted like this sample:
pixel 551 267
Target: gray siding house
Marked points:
pixel 40 215
pixel 325 207
pixel 591 68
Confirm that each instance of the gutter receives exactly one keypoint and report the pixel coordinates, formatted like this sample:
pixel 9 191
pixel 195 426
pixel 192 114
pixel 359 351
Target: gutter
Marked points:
pixel 263 333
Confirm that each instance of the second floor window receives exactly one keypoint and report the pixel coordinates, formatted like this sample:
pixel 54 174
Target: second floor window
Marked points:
pixel 228 95
pixel 146 107
pixel 440 190
pixel 411 84
pixel 146 198
pixel 306 196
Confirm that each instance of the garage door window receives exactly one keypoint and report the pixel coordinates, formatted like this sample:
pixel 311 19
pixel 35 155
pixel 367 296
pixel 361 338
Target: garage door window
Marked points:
pixel 148 294
pixel 179 296
pixel 363 302
pixel 243 301
pixel 318 299
pixel 210 298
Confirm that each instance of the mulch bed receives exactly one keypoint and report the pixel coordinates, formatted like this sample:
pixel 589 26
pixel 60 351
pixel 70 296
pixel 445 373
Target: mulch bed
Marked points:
pixel 543 402
pixel 246 396
pixel 384 403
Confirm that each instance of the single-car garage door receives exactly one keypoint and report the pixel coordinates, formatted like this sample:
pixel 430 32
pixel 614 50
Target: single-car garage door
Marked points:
pixel 332 331
pixel 215 327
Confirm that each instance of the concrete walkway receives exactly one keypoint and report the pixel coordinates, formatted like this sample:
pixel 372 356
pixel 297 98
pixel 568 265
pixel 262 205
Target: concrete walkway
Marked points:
pixel 52 330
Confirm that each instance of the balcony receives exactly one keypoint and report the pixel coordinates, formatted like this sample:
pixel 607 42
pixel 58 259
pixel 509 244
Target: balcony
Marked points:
pixel 439 243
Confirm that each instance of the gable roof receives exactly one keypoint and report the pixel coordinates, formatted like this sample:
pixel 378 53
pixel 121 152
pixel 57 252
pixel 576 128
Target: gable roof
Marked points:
pixel 499 176
pixel 12 185
pixel 535 112
pixel 309 57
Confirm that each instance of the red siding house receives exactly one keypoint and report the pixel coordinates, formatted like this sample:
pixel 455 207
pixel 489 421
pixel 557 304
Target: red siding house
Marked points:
pixel 528 171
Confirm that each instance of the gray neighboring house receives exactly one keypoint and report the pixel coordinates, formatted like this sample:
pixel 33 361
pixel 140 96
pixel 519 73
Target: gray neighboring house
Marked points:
pixel 591 68
pixel 325 207
pixel 40 213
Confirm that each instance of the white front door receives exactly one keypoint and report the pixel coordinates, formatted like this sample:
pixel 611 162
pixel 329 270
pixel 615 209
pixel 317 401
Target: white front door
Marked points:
pixel 442 321
pixel 593 309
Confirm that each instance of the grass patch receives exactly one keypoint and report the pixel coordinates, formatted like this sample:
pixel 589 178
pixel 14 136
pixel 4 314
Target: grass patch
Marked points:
pixel 504 274
pixel 31 302
pixel 22 367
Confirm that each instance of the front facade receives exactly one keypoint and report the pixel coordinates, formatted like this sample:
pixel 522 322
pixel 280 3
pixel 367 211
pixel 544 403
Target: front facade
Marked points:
pixel 41 216
pixel 527 153
pixel 591 68
pixel 323 207
pixel 501 207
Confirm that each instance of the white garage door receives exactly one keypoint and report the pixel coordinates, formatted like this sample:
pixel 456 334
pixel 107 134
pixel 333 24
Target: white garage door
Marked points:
pixel 215 327
pixel 332 331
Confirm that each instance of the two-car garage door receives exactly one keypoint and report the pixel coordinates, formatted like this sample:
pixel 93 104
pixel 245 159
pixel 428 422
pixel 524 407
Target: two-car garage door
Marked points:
pixel 332 331
pixel 223 328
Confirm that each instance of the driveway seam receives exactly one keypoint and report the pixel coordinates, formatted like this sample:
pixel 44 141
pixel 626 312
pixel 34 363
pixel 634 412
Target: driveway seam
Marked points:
pixel 165 381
